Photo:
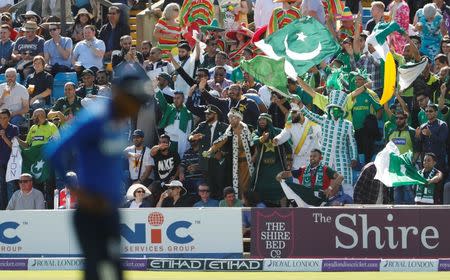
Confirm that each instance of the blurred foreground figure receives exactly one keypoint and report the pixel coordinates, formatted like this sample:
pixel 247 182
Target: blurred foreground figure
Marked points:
pixel 98 136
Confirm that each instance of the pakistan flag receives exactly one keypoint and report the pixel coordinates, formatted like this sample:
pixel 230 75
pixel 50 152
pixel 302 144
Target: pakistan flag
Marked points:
pixel 304 43
pixel 35 163
pixel 396 170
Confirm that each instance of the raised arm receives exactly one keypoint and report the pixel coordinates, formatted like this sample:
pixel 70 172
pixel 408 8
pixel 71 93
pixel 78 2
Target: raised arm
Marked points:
pixel 310 115
pixel 309 90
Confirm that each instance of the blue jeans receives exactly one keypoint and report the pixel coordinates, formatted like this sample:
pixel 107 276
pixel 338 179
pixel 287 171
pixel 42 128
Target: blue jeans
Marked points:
pixel 404 195
pixel 6 188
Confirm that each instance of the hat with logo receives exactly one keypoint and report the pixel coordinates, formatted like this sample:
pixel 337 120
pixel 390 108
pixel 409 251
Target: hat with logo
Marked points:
pixel 213 109
pixel 138 133
pixel 87 72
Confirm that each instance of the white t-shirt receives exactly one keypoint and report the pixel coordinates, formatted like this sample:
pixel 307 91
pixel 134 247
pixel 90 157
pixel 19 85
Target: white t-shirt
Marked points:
pixel 85 56
pixel 315 6
pixel 13 102
pixel 134 162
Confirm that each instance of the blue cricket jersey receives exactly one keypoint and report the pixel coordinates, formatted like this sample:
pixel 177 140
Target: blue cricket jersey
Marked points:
pixel 99 142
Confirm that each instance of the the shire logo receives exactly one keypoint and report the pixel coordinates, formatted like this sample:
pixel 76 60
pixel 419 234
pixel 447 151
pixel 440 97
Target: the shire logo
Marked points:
pixel 175 232
pixel 7 233
pixel 354 231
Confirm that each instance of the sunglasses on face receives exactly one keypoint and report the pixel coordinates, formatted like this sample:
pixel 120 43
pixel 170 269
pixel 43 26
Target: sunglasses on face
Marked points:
pixel 140 191
pixel 429 111
pixel 53 29
pixel 202 191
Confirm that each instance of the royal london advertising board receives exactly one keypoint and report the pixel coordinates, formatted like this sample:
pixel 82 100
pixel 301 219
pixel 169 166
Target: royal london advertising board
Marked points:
pixel 350 233
pixel 151 232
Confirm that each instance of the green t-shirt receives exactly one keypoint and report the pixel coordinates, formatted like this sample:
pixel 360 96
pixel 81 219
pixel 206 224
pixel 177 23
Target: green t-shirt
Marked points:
pixel 364 104
pixel 306 98
pixel 67 109
pixel 389 127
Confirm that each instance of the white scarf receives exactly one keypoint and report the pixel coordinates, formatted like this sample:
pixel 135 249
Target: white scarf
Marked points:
pixel 246 143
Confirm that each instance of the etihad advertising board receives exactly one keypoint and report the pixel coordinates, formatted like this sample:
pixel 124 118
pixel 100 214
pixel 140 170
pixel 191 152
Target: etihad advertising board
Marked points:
pixel 350 233
pixel 188 232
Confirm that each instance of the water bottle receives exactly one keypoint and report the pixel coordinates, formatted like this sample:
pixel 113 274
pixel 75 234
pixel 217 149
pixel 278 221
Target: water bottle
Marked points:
pixel 56 200
pixel 67 199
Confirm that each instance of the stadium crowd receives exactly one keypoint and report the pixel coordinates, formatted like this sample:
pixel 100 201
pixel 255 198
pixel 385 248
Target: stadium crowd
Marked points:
pixel 222 137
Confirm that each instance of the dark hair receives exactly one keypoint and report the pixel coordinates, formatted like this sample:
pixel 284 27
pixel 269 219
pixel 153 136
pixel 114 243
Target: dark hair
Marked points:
pixel 227 191
pixel 147 42
pixel 117 9
pixel 434 106
pixel 442 58
pixel 223 54
pixel 220 68
pixel 416 37
pixel 5 112
pixel 91 27
pixel 204 70
pixel 432 155
pixel 178 92
pixel 316 151
pixel 102 71
pixel 164 136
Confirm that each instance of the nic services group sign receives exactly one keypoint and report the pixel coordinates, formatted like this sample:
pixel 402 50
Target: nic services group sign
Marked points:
pixel 350 232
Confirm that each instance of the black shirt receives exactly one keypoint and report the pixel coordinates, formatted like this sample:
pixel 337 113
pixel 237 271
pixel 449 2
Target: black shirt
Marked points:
pixel 166 166
pixel 41 81
pixel 183 201
pixel 278 118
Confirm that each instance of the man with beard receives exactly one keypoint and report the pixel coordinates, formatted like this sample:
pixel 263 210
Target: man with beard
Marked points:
pixel 236 99
pixel 213 168
pixel 338 143
pixel 140 163
pixel 155 65
pixel 176 121
pixel 187 63
pixel 41 132
pixel 304 134
pixel 270 160
pixel 127 53
pixel 241 140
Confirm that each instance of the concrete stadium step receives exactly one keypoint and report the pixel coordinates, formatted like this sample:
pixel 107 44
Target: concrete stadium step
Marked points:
pixel 132 21
pixel 133 27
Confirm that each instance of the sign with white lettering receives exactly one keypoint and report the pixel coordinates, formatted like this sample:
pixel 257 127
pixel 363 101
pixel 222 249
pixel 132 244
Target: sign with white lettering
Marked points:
pixel 205 264
pixel 350 232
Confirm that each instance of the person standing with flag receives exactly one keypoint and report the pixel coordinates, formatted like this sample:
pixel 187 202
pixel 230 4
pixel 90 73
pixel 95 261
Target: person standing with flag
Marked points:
pixel 339 145
pixel 425 194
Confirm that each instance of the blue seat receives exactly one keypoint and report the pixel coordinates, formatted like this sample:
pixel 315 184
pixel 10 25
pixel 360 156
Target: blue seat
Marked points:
pixel 2 78
pixel 59 81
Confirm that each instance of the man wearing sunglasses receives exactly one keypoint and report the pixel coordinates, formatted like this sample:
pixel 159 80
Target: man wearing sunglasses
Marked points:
pixel 57 51
pixel 205 200
pixel 27 197
pixel 404 138
pixel 111 32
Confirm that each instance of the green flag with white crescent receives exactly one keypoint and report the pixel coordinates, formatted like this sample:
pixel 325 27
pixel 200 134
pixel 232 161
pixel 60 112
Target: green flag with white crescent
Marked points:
pixel 395 170
pixel 304 43
pixel 36 164
pixel 268 71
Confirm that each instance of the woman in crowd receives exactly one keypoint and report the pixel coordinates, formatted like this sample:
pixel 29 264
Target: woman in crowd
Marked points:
pixel 82 19
pixel 241 39
pixel 168 30
pixel 399 12
pixel 428 22
pixel 138 197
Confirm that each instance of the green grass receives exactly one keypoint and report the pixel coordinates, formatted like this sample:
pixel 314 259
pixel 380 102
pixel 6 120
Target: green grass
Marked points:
pixel 138 275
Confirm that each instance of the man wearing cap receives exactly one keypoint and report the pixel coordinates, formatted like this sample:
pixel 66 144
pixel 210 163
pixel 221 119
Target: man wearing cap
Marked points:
pixel 66 107
pixel 175 196
pixel 365 109
pixel 98 137
pixel 304 134
pixel 239 137
pixel 338 143
pixel 57 50
pixel 88 88
pixel 164 85
pixel 155 65
pixel 176 121
pixel 27 47
pixel 126 53
pixel 270 160
pixel 89 52
pixel 213 168
pixel 140 163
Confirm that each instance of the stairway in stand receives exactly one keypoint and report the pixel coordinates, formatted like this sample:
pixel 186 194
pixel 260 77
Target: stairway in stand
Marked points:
pixel 133 25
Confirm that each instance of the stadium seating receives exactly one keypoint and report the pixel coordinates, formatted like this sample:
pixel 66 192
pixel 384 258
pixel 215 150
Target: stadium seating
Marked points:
pixel 58 84
pixel 3 79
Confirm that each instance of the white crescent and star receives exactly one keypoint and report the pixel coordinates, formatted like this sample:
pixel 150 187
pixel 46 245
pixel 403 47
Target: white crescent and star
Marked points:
pixel 301 56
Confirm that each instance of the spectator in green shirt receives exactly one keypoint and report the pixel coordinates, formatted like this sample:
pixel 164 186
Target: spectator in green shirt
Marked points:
pixel 67 107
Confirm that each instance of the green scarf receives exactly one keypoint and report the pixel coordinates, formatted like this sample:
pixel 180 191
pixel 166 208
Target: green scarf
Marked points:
pixel 319 177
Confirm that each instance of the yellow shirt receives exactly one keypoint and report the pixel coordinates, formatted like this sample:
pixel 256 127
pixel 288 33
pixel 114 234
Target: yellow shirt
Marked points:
pixel 41 134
